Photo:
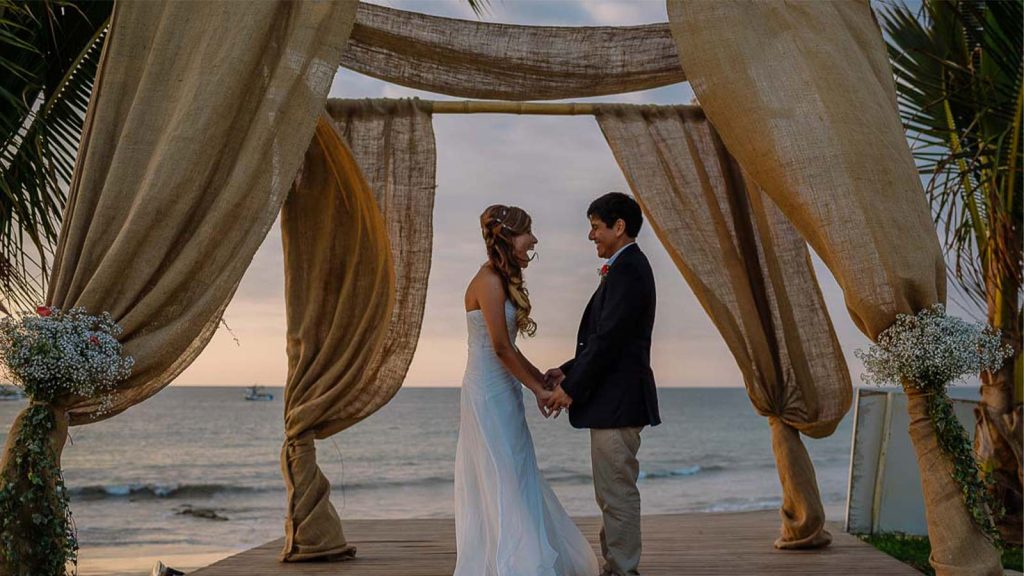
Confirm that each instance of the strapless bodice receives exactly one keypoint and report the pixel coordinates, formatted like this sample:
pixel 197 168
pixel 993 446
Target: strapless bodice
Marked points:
pixel 479 337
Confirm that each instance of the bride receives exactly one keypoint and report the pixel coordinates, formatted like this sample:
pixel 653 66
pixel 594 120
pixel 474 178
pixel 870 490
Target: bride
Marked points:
pixel 508 522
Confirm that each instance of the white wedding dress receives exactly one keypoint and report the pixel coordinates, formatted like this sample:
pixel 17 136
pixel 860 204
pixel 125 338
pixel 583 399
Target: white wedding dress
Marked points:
pixel 508 521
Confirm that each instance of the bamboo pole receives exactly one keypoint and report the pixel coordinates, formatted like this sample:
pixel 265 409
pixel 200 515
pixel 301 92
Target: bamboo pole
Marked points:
pixel 502 107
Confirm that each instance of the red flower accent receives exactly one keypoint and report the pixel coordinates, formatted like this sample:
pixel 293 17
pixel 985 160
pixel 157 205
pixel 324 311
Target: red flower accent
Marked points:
pixel 43 311
pixel 94 340
pixel 604 270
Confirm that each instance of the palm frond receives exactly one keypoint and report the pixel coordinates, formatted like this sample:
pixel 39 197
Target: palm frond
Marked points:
pixel 49 54
pixel 480 7
pixel 958 69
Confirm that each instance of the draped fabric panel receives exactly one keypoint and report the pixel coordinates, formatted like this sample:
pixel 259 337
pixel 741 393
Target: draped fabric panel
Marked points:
pixel 503 61
pixel 803 97
pixel 339 293
pixel 751 272
pixel 196 127
pixel 949 522
pixel 179 178
pixel 355 299
pixel 393 143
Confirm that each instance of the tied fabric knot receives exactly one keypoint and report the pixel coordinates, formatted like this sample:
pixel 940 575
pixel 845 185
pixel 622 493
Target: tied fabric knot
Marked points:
pixel 603 271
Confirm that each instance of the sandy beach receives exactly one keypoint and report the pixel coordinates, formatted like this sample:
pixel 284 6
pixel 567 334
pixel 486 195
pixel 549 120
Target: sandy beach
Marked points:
pixel 119 561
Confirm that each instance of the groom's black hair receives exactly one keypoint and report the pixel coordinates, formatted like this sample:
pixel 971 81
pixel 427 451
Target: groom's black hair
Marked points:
pixel 614 205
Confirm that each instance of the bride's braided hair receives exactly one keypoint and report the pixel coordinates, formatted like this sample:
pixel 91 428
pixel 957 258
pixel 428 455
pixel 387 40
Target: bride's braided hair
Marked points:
pixel 500 225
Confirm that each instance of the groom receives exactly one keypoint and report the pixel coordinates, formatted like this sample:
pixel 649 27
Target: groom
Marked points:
pixel 608 386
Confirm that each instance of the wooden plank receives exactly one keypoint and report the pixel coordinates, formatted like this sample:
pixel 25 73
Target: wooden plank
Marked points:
pixel 692 544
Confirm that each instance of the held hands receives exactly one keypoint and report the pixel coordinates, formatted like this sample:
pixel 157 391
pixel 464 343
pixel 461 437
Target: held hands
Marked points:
pixel 558 401
pixel 552 399
pixel 552 402
pixel 553 378
pixel 543 397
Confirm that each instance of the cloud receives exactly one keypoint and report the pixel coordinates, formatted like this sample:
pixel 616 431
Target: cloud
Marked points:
pixel 619 13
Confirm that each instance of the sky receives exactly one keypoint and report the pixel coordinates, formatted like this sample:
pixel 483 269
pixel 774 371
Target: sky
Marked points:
pixel 550 166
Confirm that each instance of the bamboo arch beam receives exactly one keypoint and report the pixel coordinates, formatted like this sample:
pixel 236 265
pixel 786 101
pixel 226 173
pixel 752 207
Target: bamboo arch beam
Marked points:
pixel 503 107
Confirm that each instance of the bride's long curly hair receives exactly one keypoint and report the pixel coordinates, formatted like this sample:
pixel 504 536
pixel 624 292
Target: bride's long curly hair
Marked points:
pixel 500 225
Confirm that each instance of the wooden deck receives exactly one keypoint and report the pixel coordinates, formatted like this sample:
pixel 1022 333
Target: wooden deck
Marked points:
pixel 674 544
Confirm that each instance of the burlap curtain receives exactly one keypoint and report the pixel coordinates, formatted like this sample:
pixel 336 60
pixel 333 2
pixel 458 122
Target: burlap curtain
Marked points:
pixel 393 143
pixel 803 97
pixel 339 290
pixel 354 300
pixel 179 178
pixel 198 120
pixel 750 270
pixel 503 61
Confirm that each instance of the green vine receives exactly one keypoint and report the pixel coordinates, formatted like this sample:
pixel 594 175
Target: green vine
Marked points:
pixel 37 533
pixel 953 440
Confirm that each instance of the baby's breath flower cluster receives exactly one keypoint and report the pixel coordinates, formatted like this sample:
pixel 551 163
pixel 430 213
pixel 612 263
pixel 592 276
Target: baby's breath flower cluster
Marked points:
pixel 63 352
pixel 930 350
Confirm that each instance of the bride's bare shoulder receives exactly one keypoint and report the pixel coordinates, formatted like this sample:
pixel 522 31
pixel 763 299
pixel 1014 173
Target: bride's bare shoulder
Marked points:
pixel 485 279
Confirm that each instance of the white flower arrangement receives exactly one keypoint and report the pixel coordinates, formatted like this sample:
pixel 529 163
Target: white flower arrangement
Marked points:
pixel 63 352
pixel 930 350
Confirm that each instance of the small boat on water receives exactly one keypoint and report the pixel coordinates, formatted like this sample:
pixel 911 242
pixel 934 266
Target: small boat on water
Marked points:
pixel 257 393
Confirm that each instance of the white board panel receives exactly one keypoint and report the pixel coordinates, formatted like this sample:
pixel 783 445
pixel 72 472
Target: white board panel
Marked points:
pixel 885 484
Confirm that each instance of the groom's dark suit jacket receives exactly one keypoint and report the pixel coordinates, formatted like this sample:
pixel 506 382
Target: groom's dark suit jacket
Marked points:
pixel 610 380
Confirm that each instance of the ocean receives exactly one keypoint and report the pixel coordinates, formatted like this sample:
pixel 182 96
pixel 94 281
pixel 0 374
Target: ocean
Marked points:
pixel 132 477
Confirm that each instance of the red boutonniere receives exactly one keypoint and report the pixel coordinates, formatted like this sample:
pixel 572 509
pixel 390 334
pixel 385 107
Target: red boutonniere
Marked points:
pixel 603 271
pixel 43 311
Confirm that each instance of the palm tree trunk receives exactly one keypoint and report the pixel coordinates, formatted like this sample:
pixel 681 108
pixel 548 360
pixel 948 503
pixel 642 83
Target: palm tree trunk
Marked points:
pixel 998 430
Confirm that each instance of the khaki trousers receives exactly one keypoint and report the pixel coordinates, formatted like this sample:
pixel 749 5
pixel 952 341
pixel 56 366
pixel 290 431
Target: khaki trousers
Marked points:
pixel 613 457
